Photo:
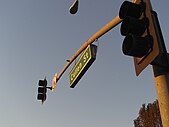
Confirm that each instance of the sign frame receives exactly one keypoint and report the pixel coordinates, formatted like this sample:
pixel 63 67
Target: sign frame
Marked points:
pixel 82 65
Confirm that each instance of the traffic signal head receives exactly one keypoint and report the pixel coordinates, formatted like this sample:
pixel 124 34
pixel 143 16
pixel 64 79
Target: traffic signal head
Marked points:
pixel 43 83
pixel 140 34
pixel 137 46
pixel 133 26
pixel 42 89
pixel 41 97
pixel 129 9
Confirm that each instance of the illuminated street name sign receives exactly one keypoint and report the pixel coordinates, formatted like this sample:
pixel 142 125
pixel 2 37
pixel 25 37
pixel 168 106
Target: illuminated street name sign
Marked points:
pixel 82 65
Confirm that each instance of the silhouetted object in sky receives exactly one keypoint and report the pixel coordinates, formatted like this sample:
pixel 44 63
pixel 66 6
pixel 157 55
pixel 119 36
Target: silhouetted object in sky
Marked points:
pixel 42 89
pixel 149 116
pixel 74 7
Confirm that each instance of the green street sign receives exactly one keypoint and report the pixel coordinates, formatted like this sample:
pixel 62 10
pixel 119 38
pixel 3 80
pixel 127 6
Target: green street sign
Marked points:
pixel 82 65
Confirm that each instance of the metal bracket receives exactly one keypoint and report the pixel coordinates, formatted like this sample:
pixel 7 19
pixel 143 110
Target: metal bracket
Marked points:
pixel 162 60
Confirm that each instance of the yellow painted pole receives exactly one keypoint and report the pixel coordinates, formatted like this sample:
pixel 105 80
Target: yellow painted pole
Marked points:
pixel 161 76
pixel 114 22
pixel 162 89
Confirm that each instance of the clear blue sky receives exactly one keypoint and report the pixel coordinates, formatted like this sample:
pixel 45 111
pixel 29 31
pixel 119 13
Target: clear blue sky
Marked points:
pixel 36 38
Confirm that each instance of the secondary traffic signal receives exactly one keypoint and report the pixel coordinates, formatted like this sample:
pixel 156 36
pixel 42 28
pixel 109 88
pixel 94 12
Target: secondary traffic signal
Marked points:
pixel 42 89
pixel 140 34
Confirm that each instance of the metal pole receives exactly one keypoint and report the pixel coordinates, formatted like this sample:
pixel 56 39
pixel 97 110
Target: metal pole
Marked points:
pixel 162 89
pixel 161 76
pixel 114 22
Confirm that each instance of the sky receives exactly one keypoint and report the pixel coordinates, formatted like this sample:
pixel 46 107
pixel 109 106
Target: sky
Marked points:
pixel 36 39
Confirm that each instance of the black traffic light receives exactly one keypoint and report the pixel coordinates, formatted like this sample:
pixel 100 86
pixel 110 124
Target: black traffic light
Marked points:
pixel 42 89
pixel 137 42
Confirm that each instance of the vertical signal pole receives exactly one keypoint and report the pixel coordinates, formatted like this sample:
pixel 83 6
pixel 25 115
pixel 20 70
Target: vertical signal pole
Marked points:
pixel 160 64
pixel 161 75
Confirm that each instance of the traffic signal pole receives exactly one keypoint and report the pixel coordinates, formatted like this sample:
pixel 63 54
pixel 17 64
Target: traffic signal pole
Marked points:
pixel 160 65
pixel 114 22
pixel 162 89
pixel 161 75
